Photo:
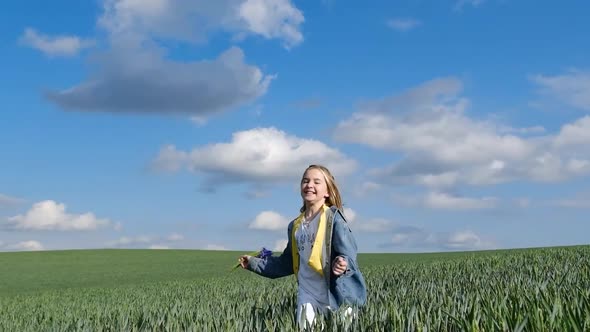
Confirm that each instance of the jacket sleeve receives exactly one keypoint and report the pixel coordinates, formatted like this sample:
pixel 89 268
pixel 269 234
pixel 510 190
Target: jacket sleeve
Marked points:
pixel 344 244
pixel 274 266
pixel 349 287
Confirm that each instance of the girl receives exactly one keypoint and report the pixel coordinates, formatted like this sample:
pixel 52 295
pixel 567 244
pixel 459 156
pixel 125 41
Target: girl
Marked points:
pixel 321 251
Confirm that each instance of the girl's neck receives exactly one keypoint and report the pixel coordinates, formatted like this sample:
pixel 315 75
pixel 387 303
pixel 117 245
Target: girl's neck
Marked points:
pixel 312 209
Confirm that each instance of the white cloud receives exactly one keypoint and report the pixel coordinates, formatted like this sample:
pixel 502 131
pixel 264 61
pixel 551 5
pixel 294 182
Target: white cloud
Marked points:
pixel 261 155
pixel 349 214
pixel 361 224
pixel 578 166
pixel 127 241
pixel 146 241
pixel 400 238
pixel 574 203
pixel 429 120
pixel 6 201
pixel 175 237
pixel 437 200
pixel 57 45
pixel 571 88
pixel 419 238
pixel 522 202
pixel 553 167
pixel 192 20
pixel 463 240
pixel 215 247
pixel 170 159
pixel 158 246
pixel 503 129
pixel 256 193
pixel 269 220
pixel 273 19
pixel 375 225
pixel 199 120
pixel 441 147
pixel 50 215
pixel 403 24
pixel 366 188
pixel 445 201
pixel 31 245
pixel 280 245
pixel 445 179
pixel 409 236
pixel 576 133
pixel 581 201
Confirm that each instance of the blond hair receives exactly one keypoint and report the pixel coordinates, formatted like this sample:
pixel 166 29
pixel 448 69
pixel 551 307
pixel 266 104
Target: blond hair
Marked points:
pixel 334 198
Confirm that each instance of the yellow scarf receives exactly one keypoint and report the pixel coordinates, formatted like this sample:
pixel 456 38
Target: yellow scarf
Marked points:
pixel 315 260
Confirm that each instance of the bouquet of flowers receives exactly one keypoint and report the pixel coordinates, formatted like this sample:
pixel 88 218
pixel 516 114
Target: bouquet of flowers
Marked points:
pixel 262 253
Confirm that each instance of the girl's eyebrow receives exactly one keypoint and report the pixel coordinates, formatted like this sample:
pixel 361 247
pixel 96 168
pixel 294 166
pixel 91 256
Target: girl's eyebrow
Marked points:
pixel 307 178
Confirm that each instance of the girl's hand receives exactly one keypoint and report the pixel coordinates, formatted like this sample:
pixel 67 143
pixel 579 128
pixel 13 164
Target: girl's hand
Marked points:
pixel 339 266
pixel 244 261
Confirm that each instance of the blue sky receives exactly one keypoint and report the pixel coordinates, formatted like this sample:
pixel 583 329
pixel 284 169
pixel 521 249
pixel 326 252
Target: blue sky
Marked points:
pixel 449 125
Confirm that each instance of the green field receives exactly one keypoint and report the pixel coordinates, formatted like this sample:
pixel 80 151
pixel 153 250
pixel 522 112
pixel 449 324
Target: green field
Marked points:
pixel 177 290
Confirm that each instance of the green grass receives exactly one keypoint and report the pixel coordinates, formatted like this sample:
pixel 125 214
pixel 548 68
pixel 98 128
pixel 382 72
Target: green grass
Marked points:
pixel 30 272
pixel 26 272
pixel 187 290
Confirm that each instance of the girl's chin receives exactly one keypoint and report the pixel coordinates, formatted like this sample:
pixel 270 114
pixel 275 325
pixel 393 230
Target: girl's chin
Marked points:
pixel 310 200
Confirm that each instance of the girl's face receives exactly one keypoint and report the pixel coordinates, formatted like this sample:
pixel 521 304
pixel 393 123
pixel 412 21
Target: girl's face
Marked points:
pixel 313 187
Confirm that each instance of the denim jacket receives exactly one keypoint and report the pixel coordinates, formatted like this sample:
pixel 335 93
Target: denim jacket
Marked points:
pixel 348 288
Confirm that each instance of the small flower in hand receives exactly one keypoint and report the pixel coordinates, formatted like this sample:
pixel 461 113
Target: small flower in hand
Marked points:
pixel 264 253
pixel 243 260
